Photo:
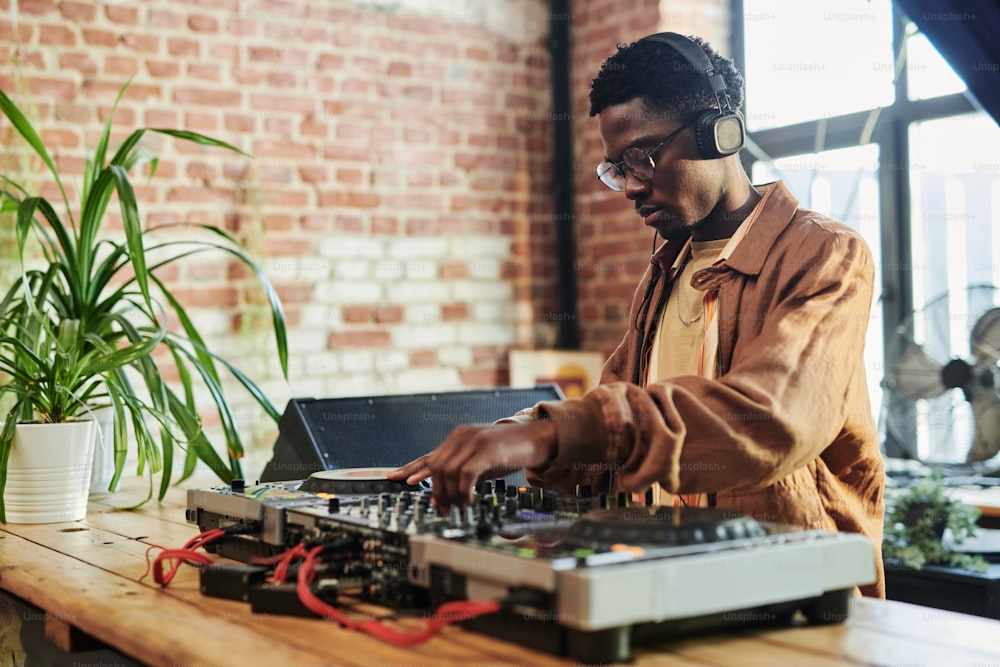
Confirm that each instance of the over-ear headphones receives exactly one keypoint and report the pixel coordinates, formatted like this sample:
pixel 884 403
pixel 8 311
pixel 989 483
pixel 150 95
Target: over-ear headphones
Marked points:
pixel 719 132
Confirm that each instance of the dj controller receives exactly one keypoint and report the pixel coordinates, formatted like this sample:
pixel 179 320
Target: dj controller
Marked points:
pixel 585 575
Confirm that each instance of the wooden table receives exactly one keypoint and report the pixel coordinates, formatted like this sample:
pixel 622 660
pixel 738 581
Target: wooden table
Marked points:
pixel 85 576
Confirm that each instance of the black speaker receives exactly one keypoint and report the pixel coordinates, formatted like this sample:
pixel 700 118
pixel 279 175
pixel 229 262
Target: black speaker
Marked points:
pixel 385 431
pixel 719 132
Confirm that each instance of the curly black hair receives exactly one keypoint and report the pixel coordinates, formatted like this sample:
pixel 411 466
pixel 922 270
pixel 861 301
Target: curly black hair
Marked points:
pixel 663 79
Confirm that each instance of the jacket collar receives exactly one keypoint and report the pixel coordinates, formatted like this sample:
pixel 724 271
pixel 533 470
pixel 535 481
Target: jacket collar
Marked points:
pixel 748 257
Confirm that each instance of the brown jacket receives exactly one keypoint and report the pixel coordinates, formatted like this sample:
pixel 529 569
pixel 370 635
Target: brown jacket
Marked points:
pixel 785 433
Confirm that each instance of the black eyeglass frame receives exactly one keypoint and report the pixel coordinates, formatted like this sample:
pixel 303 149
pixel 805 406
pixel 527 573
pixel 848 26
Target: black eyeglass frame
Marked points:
pixel 617 169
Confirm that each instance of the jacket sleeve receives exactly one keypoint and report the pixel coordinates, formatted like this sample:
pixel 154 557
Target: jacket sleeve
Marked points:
pixel 781 402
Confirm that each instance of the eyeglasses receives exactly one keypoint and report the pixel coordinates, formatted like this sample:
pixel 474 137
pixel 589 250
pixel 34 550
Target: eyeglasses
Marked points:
pixel 637 161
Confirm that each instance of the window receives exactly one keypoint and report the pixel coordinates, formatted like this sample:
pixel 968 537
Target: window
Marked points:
pixel 868 135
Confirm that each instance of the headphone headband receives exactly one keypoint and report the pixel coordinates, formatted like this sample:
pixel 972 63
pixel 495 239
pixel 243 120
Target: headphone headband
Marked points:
pixel 719 132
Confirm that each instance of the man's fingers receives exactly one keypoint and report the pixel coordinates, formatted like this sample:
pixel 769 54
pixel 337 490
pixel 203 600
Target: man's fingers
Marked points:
pixel 414 471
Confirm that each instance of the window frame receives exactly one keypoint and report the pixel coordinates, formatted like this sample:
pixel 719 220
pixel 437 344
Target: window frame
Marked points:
pixel 891 134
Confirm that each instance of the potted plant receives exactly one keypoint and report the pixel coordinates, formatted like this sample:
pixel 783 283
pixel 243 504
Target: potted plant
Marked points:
pixel 49 378
pixel 915 521
pixel 110 289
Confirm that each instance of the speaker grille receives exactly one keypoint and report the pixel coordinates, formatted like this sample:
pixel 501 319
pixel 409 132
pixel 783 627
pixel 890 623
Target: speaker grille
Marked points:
pixel 385 431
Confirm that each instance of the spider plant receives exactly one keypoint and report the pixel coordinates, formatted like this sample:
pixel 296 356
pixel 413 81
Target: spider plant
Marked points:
pixel 109 289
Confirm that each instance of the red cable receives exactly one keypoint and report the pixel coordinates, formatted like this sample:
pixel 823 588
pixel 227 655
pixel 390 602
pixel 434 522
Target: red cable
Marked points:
pixel 185 554
pixel 181 556
pixel 449 612
pixel 281 569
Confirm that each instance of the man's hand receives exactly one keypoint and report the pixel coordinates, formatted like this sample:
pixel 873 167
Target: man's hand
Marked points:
pixel 471 453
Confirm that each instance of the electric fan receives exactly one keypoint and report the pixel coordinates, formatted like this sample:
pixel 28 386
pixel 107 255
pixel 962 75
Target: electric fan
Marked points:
pixel 940 401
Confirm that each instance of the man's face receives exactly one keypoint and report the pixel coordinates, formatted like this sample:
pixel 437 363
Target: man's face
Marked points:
pixel 684 188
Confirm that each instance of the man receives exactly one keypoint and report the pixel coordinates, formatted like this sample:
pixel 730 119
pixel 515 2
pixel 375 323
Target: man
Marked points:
pixel 740 382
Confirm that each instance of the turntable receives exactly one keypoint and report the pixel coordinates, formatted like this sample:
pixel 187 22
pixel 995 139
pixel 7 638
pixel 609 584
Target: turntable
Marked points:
pixel 580 575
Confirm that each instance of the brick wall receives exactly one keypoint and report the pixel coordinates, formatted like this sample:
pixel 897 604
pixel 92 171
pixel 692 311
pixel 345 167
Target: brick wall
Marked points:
pixel 400 171
pixel 399 195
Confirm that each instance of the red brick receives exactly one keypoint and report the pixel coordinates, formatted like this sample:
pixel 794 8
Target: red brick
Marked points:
pixel 56 35
pixel 125 65
pixel 162 118
pixel 283 149
pixel 356 314
pixel 160 19
pixel 359 339
pixel 389 314
pixel 78 11
pixel 295 293
pixel 206 96
pixel 453 312
pixel 483 377
pixel 198 194
pixel 36 7
pixel 183 47
pixel 205 71
pixel 121 14
pixel 81 62
pixel 423 358
pixel 313 173
pixel 203 24
pixel 222 297
pixel 142 43
pixel 349 224
pixel 363 199
pixel 52 88
pixel 384 225
pixel 163 69
pixel 95 37
pixel 282 103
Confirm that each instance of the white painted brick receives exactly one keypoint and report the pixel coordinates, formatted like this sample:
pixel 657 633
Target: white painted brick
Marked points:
pixel 345 292
pixel 478 291
pixel 419 248
pixel 316 315
pixel 389 363
pixel 459 357
pixel 423 313
pixel 472 333
pixel 309 387
pixel 420 380
pixel 481 246
pixel 418 292
pixel 355 384
pixel 306 341
pixel 280 269
pixel 321 363
pixel 302 269
pixel 314 269
pixel 351 247
pixel 352 269
pixel 387 269
pixel 424 335
pixel 492 311
pixel 421 269
pixel 484 268
pixel 357 361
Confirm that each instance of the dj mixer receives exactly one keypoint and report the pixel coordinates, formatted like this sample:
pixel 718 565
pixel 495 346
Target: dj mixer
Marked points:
pixel 585 575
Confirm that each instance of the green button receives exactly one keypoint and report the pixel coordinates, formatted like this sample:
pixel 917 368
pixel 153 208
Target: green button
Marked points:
pixel 525 552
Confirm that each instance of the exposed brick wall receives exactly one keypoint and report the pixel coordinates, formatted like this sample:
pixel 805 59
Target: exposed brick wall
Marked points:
pixel 613 245
pixel 399 195
pixel 400 183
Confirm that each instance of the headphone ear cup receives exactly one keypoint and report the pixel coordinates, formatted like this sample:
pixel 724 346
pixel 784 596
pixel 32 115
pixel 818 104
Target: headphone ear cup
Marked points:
pixel 704 134
pixel 719 133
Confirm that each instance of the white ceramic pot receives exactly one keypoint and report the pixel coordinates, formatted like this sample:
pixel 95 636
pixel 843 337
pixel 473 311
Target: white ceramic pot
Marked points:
pixel 48 476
